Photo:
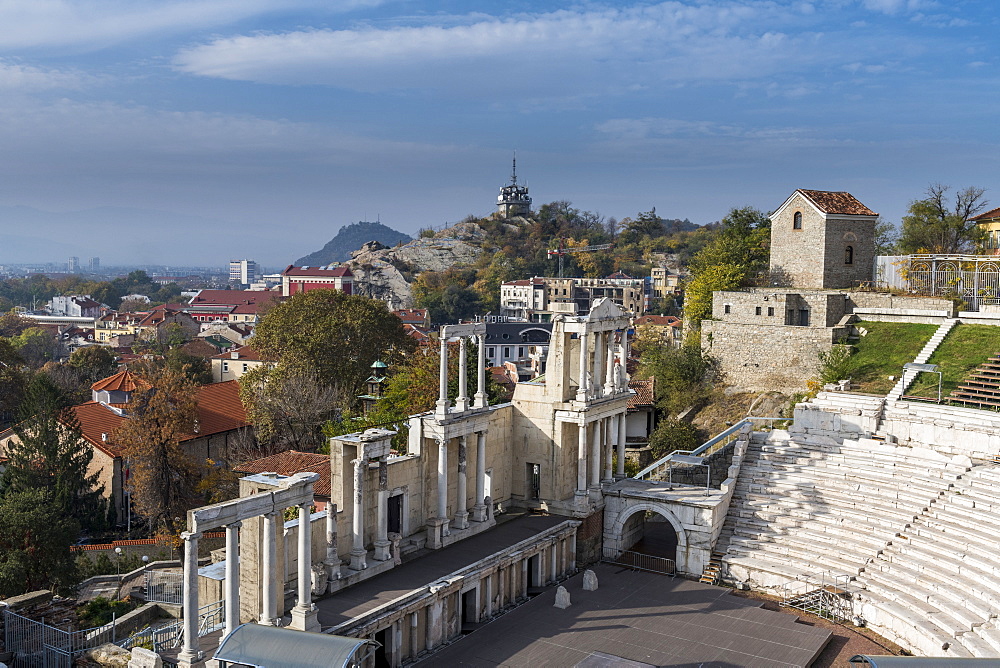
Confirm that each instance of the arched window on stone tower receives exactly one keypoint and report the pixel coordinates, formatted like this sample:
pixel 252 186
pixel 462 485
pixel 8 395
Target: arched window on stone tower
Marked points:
pixel 797 221
pixel 849 255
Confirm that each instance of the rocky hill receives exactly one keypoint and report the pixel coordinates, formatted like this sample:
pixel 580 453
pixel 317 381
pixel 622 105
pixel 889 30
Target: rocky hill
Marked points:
pixel 349 238
pixel 386 273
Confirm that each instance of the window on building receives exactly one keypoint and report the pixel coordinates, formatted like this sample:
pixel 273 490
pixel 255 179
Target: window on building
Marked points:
pixel 797 221
pixel 506 352
pixel 520 351
pixel 849 255
pixel 770 311
pixel 225 367
pixel 246 367
pixel 727 308
pixel 756 311
pixel 803 317
pixel 491 352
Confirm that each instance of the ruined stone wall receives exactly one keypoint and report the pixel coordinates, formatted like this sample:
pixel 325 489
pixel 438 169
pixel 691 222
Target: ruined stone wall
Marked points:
pixel 759 358
pixel 590 539
pixel 779 306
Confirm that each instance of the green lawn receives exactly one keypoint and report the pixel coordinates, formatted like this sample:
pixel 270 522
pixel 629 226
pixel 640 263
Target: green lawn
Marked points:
pixel 965 348
pixel 883 352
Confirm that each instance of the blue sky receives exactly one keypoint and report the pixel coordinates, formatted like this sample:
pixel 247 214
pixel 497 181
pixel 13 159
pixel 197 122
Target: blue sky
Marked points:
pixel 265 125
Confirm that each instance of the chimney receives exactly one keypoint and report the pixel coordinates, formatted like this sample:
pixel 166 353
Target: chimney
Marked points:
pixel 234 354
pixel 104 436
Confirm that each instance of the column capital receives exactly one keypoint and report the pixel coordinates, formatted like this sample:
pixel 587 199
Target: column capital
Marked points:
pixel 188 535
pixel 235 525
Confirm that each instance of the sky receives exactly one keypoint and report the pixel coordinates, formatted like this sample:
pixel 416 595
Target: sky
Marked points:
pixel 197 131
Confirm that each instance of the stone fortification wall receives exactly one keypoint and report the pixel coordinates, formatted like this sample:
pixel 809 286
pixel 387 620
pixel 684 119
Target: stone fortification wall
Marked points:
pixel 885 307
pixel 780 306
pixel 759 358
pixel 859 235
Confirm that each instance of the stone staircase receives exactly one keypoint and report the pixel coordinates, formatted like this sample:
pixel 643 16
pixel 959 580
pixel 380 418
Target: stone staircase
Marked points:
pixel 906 379
pixel 981 388
pixel 713 569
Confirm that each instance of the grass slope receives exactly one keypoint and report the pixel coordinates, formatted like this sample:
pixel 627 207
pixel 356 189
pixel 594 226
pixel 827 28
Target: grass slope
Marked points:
pixel 965 348
pixel 883 352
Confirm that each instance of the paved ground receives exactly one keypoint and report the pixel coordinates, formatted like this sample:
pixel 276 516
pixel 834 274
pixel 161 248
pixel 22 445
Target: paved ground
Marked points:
pixel 368 595
pixel 639 619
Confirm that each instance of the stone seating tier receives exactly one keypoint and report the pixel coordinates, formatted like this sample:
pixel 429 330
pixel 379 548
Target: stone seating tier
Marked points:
pixel 933 582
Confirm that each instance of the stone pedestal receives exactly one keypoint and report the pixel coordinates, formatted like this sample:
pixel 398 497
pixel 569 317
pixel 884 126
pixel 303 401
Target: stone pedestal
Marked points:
pixel 437 529
pixel 382 551
pixel 359 560
pixel 305 619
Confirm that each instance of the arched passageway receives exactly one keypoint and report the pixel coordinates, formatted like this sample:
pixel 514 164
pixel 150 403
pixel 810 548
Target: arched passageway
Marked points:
pixel 648 532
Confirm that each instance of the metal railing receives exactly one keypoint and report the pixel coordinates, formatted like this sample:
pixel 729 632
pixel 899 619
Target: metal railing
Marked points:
pixel 35 644
pixel 638 561
pixel 164 587
pixel 211 618
pixel 825 595
pixel 664 466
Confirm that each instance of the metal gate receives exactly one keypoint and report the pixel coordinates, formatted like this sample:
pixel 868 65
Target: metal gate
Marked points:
pixel 35 644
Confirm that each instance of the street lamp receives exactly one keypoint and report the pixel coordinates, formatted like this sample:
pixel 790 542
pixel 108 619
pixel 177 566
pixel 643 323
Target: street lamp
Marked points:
pixel 118 561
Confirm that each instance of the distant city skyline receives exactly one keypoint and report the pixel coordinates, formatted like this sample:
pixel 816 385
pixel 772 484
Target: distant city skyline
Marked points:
pixel 172 132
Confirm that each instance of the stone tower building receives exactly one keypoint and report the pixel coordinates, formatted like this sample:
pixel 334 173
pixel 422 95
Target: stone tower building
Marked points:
pixel 513 199
pixel 822 240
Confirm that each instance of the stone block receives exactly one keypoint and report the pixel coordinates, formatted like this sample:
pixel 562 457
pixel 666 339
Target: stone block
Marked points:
pixel 145 658
pixel 110 655
pixel 589 580
pixel 562 598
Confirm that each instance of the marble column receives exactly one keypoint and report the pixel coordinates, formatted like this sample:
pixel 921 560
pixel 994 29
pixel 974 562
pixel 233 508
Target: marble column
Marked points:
pixel 596 387
pixel 609 371
pixel 582 388
pixel 487 584
pixel 443 485
pixel 524 579
pixel 481 400
pixel 414 639
pixel 382 531
pixel 595 455
pixel 269 570
pixel 581 459
pixel 479 512
pixel 190 651
pixel 609 440
pixel 304 614
pixel 572 553
pixel 359 556
pixel 435 624
pixel 462 402
pixel 626 347
pixel 461 512
pixel 554 560
pixel 622 420
pixel 232 576
pixel 441 411
pixel 332 558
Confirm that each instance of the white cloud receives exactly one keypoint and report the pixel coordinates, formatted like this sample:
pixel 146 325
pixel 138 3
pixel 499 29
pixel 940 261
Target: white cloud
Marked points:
pixel 538 55
pixel 15 77
pixel 95 24
pixel 651 128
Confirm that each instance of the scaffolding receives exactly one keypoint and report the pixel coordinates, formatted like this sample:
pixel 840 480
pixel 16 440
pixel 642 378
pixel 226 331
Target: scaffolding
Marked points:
pixel 824 595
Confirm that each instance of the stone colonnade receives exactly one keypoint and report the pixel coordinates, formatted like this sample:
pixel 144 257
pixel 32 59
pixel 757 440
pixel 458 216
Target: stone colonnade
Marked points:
pixel 474 594
pixel 282 492
pixel 441 525
pixel 464 333
pixel 601 356
pixel 597 439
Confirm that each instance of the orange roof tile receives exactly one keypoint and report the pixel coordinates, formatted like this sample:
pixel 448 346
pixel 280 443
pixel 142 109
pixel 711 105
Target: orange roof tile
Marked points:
pixel 123 381
pixel 837 202
pixel 643 393
pixel 290 462
pixel 988 215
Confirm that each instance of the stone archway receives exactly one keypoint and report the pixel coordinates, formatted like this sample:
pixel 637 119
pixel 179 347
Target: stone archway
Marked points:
pixel 614 537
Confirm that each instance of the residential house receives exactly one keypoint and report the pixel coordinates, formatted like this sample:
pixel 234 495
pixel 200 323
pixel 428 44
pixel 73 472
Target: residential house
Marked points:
pixel 76 306
pixel 231 306
pixel 989 223
pixel 220 418
pixel 524 344
pixel 233 364
pixel 667 328
pixel 538 299
pixel 418 317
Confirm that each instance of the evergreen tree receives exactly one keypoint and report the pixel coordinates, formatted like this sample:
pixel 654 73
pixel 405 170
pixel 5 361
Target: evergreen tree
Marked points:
pixel 52 455
pixel 35 536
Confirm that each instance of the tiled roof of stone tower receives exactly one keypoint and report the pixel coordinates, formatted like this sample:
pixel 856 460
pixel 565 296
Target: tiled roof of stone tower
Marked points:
pixel 837 202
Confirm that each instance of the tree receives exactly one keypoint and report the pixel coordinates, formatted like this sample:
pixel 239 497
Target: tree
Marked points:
pixel 934 225
pixel 12 381
pixel 886 237
pixel 289 405
pixel 93 363
pixel 684 376
pixel 12 324
pixel 647 224
pixel 35 536
pixel 36 346
pixel 734 259
pixel 163 477
pixel 50 453
pixel 671 435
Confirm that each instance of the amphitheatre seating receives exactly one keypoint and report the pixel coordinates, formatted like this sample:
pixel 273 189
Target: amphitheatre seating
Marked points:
pixel 982 387
pixel 916 531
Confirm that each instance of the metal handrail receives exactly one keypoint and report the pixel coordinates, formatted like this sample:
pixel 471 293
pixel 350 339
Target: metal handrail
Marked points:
pixel 704 447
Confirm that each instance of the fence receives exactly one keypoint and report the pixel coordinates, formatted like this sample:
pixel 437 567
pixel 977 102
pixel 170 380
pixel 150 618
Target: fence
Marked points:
pixel 638 561
pixel 211 618
pixel 164 587
pixel 974 278
pixel 35 644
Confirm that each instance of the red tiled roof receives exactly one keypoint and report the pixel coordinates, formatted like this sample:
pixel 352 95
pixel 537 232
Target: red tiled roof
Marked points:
pixel 837 202
pixel 123 381
pixel 988 215
pixel 246 353
pixel 292 270
pixel 291 462
pixel 643 393
pixel 239 298
pixel 416 332
pixel 411 315
pixel 219 410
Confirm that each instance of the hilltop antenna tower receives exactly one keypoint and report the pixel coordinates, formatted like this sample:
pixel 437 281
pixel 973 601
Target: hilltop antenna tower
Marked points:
pixel 513 199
